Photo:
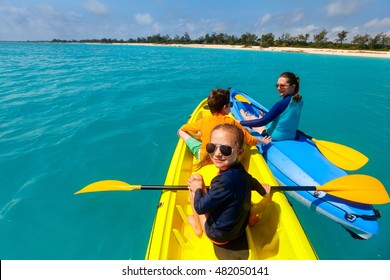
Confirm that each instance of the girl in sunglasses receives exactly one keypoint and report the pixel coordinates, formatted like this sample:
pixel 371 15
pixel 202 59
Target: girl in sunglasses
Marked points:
pixel 219 105
pixel 223 210
pixel 283 118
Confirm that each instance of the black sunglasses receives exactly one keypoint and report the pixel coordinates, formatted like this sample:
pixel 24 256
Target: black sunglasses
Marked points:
pixel 281 86
pixel 225 149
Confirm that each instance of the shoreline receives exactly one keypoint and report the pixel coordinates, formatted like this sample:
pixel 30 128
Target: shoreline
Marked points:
pixel 359 53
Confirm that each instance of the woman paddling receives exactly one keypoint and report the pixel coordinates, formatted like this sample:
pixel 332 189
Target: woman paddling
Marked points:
pixel 281 122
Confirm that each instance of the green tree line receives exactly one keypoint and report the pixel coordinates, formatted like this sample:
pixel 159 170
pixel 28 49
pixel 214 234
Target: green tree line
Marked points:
pixel 359 42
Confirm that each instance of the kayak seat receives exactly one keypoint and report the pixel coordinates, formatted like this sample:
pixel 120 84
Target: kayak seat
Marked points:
pixel 262 238
pixel 180 239
pixel 183 215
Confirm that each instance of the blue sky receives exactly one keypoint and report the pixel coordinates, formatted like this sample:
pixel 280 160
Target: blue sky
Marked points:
pixel 124 19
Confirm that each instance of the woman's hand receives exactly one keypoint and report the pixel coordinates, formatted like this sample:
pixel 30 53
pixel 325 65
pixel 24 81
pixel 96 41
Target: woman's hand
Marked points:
pixel 261 114
pixel 247 116
pixel 265 140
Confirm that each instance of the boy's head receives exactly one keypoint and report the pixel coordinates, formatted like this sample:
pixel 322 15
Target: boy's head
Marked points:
pixel 218 99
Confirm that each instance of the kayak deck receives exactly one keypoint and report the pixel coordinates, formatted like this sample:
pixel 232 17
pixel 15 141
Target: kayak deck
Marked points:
pixel 278 234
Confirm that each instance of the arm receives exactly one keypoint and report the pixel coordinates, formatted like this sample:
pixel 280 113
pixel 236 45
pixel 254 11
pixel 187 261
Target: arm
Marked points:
pixel 275 111
pixel 250 139
pixel 265 140
pixel 216 195
pixel 256 186
pixel 192 128
pixel 258 208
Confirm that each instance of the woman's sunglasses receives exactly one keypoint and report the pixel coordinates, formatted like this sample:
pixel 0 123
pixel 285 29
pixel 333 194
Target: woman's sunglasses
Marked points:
pixel 281 86
pixel 225 149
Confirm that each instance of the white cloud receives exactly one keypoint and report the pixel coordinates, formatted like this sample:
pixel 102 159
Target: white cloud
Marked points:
pixel 281 20
pixel 218 26
pixel 190 27
pixel 297 17
pixel 143 19
pixel 210 26
pixel 378 23
pixel 332 33
pixel 343 7
pixel 266 18
pixel 305 30
pixel 43 22
pixel 184 26
pixel 157 27
pixel 338 29
pixel 95 7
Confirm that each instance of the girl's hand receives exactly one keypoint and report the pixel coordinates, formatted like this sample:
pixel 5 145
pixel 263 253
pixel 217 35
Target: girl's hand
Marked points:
pixel 195 182
pixel 267 188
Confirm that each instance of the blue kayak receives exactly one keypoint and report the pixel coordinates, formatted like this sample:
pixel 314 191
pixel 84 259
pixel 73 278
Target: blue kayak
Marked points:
pixel 299 163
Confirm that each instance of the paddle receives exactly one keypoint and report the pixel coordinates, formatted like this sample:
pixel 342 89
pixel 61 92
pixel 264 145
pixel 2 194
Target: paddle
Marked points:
pixel 358 188
pixel 340 155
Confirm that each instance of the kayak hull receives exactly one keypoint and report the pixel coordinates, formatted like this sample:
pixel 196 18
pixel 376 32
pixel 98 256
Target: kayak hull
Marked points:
pixel 278 235
pixel 299 163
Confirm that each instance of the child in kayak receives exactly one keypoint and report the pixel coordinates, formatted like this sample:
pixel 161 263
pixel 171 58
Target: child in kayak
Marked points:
pixel 223 210
pixel 197 135
pixel 283 118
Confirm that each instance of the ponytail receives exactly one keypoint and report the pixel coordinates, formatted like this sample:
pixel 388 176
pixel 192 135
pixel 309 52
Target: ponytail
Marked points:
pixel 293 80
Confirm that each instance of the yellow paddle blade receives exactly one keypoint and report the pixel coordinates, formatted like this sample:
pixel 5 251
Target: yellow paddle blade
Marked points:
pixel 108 185
pixel 359 188
pixel 241 98
pixel 342 156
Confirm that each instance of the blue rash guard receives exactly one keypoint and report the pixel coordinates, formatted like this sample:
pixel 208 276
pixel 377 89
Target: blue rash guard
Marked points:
pixel 228 203
pixel 282 120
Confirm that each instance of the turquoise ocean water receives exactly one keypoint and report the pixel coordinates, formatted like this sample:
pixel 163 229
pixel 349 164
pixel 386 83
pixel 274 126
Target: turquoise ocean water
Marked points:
pixel 75 114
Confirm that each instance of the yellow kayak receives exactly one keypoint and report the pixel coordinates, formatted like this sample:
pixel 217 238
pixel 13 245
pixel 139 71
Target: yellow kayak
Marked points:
pixel 277 236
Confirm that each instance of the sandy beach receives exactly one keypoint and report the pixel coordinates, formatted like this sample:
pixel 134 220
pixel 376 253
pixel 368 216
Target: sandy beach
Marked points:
pixel 361 53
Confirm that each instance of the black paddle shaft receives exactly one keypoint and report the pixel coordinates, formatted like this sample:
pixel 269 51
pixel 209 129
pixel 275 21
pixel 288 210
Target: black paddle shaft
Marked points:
pixel 274 188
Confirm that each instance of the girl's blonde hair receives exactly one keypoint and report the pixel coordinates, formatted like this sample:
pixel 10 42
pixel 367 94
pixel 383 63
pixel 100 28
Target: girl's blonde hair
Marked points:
pixel 239 141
